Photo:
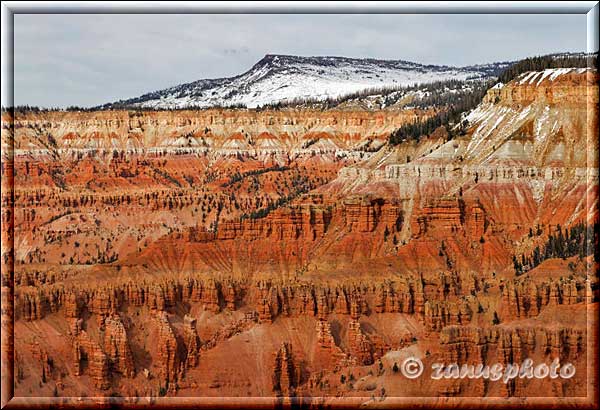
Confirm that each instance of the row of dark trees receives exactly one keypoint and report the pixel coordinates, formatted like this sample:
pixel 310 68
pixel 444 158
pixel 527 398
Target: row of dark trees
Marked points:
pixel 450 117
pixel 23 109
pixel 543 62
pixel 579 239
pixel 446 93
pixel 301 184
pixel 331 102
pixel 237 176
pixel 389 94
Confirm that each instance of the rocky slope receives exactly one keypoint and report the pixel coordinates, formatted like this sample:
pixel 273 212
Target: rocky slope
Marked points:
pixel 176 264
pixel 218 132
pixel 185 169
pixel 468 203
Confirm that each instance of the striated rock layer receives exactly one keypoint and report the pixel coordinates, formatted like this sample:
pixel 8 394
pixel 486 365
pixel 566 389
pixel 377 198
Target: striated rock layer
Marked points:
pixel 292 254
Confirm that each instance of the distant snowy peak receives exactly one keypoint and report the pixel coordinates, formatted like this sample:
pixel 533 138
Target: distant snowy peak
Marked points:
pixel 283 78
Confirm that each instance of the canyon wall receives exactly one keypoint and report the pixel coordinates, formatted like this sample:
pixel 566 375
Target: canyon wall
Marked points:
pixel 288 253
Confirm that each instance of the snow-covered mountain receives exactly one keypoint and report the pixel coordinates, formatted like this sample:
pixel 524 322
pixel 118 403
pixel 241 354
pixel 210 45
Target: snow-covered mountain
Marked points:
pixel 282 78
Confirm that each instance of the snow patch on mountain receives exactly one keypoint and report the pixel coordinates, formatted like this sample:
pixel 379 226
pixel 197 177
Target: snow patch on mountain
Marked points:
pixel 281 78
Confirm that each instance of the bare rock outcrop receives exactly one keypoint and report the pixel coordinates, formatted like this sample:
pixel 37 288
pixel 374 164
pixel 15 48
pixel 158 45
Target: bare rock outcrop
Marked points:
pixel 192 342
pixel 286 375
pixel 116 346
pixel 86 350
pixel 358 344
pixel 526 298
pixel 167 355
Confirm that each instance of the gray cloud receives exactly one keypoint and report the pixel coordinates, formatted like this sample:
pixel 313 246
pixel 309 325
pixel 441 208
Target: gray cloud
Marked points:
pixel 62 60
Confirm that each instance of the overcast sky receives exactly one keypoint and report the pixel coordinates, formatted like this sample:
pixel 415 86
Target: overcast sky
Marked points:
pixel 85 60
